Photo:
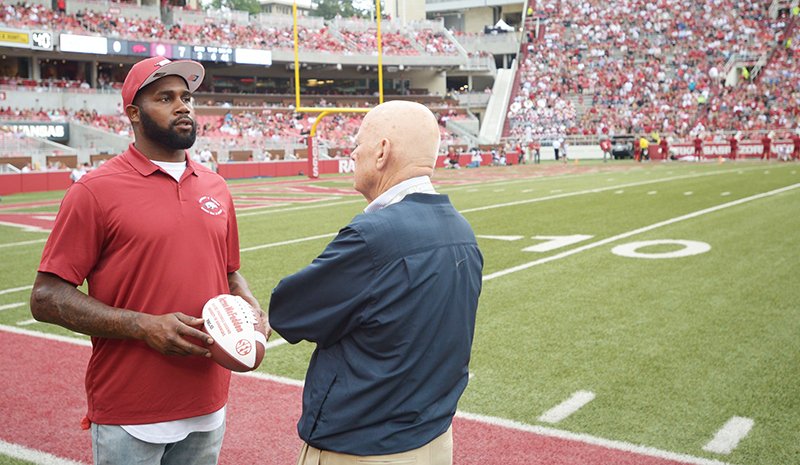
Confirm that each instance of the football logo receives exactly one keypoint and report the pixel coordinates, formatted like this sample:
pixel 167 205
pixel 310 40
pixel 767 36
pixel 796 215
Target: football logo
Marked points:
pixel 243 347
pixel 210 205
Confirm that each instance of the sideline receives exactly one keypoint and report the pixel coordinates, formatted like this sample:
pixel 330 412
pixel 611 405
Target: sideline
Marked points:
pixel 42 458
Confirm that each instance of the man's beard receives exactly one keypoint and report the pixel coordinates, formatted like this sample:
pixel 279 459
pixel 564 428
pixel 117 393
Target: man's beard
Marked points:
pixel 168 137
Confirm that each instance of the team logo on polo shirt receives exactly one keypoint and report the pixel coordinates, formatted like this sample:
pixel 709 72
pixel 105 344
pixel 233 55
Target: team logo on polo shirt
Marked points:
pixel 210 205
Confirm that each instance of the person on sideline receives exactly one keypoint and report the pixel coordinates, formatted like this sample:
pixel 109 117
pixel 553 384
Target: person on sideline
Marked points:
pixel 154 234
pixel 390 304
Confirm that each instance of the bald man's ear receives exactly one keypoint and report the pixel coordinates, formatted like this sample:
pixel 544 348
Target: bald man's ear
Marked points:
pixel 133 113
pixel 384 151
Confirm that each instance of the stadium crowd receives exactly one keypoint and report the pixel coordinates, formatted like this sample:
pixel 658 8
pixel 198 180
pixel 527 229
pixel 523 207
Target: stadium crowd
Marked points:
pixel 406 41
pixel 636 66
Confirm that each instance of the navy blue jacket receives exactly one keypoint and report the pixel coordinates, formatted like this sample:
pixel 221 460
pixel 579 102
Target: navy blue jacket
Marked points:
pixel 391 305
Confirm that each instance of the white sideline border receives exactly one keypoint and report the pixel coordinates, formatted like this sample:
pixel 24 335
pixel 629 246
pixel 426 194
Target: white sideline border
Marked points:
pixel 495 421
pixel 32 455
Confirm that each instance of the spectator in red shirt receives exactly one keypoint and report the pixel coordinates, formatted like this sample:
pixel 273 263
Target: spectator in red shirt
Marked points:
pixel 698 148
pixel 605 146
pixel 766 142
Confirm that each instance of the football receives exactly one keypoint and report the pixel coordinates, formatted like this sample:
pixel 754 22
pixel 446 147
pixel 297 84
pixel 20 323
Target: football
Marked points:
pixel 235 326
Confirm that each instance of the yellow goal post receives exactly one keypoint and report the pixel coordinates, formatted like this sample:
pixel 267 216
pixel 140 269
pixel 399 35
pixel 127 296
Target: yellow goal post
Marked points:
pixel 322 112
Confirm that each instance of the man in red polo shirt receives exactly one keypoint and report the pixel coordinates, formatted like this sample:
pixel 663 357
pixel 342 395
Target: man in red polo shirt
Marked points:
pixel 154 234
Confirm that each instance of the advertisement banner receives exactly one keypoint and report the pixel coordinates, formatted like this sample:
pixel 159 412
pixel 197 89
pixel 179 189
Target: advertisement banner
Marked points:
pixel 14 38
pixel 117 47
pixel 160 50
pixel 140 49
pixel 56 132
pixel 83 44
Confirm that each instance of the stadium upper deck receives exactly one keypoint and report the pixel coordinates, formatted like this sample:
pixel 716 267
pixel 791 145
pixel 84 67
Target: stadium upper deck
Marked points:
pixel 632 66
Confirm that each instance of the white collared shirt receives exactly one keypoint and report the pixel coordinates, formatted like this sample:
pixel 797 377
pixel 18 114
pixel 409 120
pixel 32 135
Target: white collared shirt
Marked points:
pixel 420 184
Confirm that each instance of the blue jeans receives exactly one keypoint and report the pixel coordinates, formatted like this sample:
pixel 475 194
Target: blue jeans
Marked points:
pixel 112 445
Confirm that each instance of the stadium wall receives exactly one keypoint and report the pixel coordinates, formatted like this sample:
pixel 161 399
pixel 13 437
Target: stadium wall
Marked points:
pixel 104 102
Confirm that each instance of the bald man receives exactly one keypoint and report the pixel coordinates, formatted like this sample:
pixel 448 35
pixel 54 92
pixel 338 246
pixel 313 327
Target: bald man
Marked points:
pixel 390 304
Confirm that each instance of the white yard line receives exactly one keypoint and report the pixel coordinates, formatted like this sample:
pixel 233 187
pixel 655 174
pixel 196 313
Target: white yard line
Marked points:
pixel 251 212
pixel 16 289
pixel 33 455
pixel 502 422
pixel 17 244
pixel 469 210
pixel 292 241
pixel 14 305
pixel 568 407
pixel 588 439
pixel 728 437
pixel 595 190
pixel 634 232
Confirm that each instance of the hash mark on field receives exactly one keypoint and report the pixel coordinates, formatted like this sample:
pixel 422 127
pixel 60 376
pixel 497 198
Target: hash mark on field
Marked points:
pixel 556 191
pixel 728 437
pixel 568 407
pixel 688 193
pixel 725 194
pixel 525 191
pixel 652 193
pixel 619 192
pixel 10 306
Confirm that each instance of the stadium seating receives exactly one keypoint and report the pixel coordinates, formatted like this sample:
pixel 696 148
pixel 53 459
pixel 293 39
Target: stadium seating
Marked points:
pixel 635 66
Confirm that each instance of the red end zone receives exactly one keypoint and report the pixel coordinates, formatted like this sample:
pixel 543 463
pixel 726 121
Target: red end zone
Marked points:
pixel 43 401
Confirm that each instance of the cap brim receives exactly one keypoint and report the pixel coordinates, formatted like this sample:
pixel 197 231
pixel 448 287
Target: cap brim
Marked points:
pixel 191 71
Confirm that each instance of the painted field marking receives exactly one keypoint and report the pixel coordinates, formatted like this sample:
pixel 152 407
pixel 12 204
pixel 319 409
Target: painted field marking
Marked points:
pixel 686 249
pixel 728 437
pixel 500 238
pixel 595 190
pixel 652 193
pixel 16 289
pixel 275 343
pixel 619 192
pixel 568 407
pixel 688 193
pixel 26 322
pixel 634 232
pixel 17 244
pixel 555 242
pixel 502 422
pixel 725 194
pixel 589 439
pixel 469 210
pixel 292 241
pixel 32 455
pixel 291 209
pixel 14 305
pixel 525 191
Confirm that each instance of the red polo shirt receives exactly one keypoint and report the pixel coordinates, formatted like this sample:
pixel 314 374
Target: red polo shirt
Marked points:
pixel 147 243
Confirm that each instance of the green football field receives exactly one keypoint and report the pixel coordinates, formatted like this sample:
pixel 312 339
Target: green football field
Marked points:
pixel 665 295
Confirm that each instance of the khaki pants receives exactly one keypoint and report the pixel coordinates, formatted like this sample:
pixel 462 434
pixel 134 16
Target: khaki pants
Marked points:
pixel 437 452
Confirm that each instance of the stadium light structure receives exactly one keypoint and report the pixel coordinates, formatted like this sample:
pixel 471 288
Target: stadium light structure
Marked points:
pixel 322 112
